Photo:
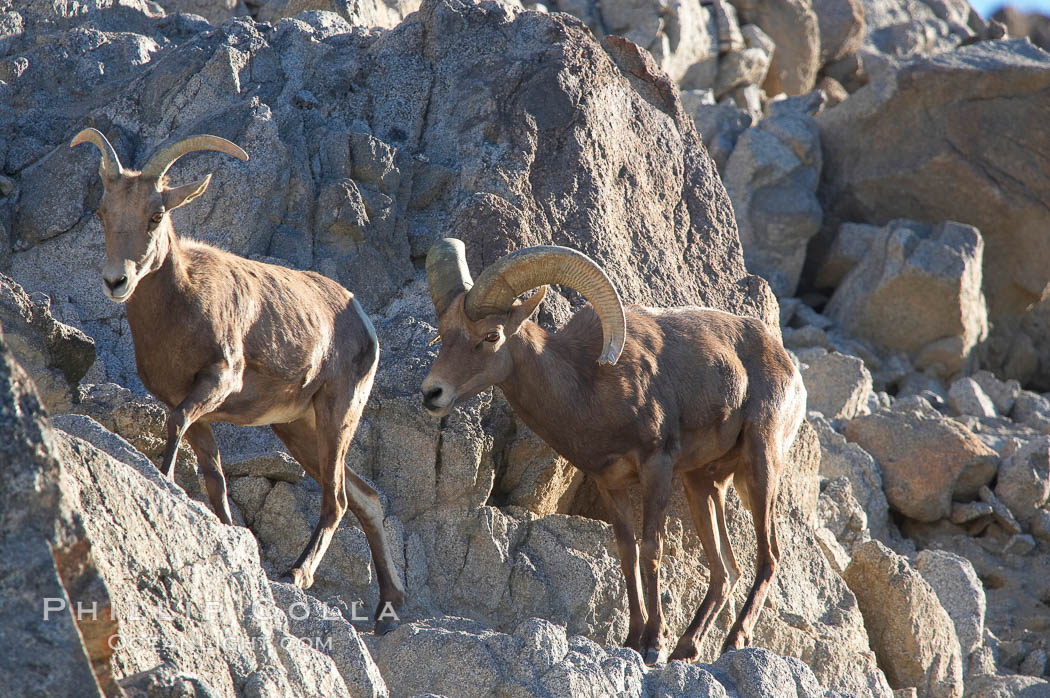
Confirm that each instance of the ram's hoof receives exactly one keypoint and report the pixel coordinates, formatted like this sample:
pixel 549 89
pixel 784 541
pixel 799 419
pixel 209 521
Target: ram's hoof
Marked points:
pixel 654 655
pixel 385 626
pixel 299 577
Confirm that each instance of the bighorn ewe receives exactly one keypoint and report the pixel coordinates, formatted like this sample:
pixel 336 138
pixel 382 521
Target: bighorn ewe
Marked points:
pixel 631 399
pixel 221 338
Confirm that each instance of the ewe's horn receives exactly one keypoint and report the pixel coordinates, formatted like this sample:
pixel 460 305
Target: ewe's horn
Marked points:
pixel 447 272
pixel 160 161
pixel 109 166
pixel 524 270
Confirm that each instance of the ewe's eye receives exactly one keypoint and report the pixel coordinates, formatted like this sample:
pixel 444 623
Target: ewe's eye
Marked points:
pixel 98 214
pixel 492 337
pixel 157 217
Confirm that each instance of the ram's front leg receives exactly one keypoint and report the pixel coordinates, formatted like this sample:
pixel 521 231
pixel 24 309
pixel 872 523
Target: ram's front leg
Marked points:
pixel 211 387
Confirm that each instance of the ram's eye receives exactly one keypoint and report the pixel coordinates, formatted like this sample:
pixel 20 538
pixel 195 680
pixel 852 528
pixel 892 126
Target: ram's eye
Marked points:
pixel 492 337
pixel 157 217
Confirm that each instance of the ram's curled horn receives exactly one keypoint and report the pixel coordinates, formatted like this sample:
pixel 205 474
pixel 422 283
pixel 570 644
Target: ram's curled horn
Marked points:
pixel 447 272
pixel 524 270
pixel 160 161
pixel 109 166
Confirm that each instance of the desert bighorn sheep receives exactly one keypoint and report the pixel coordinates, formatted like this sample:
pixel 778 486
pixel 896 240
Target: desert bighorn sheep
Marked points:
pixel 221 338
pixel 632 399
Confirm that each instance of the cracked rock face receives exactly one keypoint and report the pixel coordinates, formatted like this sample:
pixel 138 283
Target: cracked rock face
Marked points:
pixel 478 121
pixel 366 146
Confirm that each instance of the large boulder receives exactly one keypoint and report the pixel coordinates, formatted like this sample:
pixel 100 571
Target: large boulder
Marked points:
pixel 912 635
pixel 939 126
pixel 907 28
pixel 837 385
pixel 926 459
pixel 771 178
pixel 840 458
pixel 841 24
pixel 216 617
pixel 792 24
pixel 917 290
pixel 46 560
pixel 162 586
pixel 960 592
pixel 456 656
pixel 1024 478
pixel 56 355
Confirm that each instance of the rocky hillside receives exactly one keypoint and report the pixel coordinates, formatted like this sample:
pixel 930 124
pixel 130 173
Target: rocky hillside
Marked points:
pixel 869 177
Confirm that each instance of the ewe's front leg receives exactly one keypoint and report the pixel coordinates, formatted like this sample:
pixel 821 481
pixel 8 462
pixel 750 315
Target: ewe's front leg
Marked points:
pixel 211 387
pixel 202 440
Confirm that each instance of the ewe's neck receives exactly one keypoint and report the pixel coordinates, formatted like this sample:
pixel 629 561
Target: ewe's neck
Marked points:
pixel 158 291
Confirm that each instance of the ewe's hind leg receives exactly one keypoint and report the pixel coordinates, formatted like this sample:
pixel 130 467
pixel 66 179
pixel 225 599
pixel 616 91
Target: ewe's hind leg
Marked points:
pixel 316 449
pixel 761 492
pixel 618 507
pixel 303 440
pixel 706 502
pixel 364 502
pixel 203 443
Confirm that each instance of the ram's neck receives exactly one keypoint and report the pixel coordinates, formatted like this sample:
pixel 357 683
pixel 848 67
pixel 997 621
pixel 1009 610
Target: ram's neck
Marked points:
pixel 552 384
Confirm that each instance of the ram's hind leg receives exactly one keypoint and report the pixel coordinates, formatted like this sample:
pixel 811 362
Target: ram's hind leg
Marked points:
pixel 655 477
pixel 618 508
pixel 707 503
pixel 759 478
pixel 202 441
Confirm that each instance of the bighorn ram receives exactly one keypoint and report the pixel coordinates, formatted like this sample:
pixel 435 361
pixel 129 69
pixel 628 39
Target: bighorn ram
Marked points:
pixel 631 399
pixel 221 338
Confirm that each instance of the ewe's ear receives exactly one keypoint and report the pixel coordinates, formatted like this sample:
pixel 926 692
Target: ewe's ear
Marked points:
pixel 523 310
pixel 177 196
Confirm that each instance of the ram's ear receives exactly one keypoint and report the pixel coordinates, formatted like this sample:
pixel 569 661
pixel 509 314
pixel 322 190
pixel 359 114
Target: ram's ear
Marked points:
pixel 177 196
pixel 523 310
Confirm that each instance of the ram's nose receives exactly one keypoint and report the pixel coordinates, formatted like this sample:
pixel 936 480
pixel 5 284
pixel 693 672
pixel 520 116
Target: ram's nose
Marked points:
pixel 437 398
pixel 431 397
